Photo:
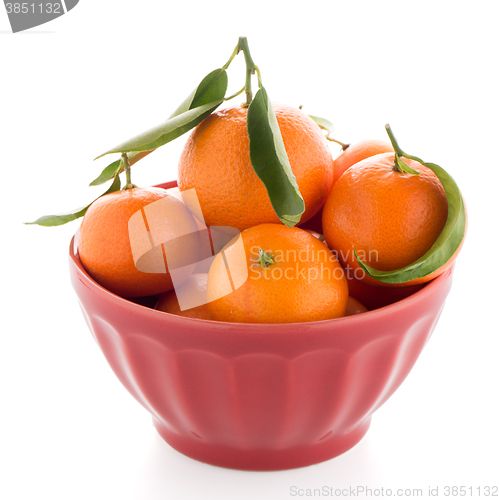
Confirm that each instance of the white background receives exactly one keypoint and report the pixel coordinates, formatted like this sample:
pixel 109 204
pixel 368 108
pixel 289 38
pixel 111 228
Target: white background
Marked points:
pixel 109 69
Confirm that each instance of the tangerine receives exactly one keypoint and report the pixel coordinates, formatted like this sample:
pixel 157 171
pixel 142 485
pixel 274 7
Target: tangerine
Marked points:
pixel 390 218
pixel 216 162
pixel 353 153
pixel 197 284
pixel 125 237
pixel 354 306
pixel 286 275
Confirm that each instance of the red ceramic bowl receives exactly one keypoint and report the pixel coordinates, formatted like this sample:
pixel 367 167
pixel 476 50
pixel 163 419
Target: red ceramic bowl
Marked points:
pixel 254 396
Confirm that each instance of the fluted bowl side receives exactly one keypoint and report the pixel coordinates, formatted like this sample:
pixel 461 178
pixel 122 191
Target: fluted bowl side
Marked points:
pixel 254 396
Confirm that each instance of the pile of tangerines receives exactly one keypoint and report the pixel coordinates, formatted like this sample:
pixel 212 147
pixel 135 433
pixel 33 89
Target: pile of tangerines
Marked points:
pixel 374 222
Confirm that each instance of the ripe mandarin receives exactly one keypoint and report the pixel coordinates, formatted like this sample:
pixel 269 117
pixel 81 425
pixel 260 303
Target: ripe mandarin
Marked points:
pixel 292 277
pixel 106 240
pixel 354 306
pixel 216 162
pixel 391 218
pixel 356 152
pixel 197 284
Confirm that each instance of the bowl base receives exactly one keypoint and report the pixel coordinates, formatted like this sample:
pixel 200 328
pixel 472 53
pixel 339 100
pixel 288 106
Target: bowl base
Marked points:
pixel 264 459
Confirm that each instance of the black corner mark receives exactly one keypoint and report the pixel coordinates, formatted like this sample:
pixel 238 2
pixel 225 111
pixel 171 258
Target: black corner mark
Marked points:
pixel 24 15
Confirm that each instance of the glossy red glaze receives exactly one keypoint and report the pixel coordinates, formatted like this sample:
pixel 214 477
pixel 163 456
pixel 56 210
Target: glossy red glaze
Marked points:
pixel 254 396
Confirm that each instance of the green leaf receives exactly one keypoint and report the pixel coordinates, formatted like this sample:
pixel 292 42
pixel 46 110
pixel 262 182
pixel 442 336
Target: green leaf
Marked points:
pixel 58 220
pixel 403 166
pixel 165 132
pixel 108 173
pixel 270 161
pixel 190 113
pixel 212 88
pixel 117 167
pixel 443 248
pixel 323 123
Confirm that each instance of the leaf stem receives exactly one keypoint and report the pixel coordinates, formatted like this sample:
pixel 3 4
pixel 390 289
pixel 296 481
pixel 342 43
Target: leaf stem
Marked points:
pixel 394 143
pixel 126 166
pixel 399 164
pixel 327 126
pixel 251 69
pixel 235 95
pixel 233 55
pixel 342 144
